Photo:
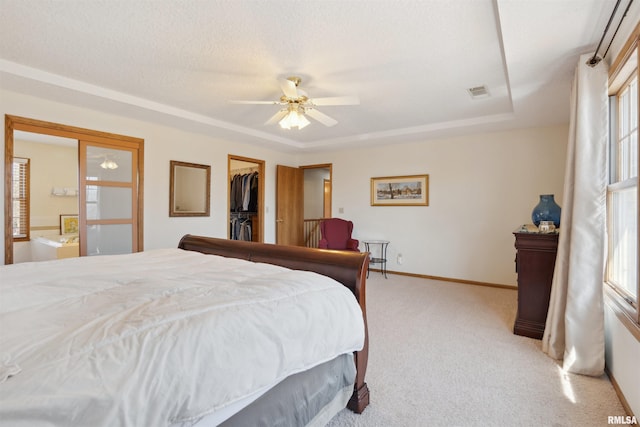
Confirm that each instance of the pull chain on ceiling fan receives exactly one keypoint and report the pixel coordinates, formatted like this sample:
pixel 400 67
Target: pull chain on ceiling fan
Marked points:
pixel 296 104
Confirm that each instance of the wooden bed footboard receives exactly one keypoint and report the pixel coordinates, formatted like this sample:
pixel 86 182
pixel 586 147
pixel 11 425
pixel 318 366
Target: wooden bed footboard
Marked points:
pixel 348 268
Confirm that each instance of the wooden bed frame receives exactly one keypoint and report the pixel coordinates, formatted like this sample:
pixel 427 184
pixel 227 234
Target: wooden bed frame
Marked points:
pixel 348 268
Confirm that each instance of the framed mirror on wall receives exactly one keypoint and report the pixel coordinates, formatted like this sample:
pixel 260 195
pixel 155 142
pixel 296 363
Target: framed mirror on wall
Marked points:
pixel 189 189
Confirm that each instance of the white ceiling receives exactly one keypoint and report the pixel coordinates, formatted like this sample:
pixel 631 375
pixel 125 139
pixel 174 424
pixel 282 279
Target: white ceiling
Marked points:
pixel 180 62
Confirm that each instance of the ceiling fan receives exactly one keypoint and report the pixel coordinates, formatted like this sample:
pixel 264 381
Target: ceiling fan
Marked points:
pixel 296 104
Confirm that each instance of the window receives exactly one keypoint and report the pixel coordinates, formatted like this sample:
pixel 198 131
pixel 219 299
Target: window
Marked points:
pixel 20 199
pixel 622 191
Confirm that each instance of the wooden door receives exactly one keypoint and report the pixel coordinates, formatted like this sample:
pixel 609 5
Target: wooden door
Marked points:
pixel 289 206
pixel 326 202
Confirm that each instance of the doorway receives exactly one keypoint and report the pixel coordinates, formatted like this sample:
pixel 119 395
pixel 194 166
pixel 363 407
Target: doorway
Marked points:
pixel 93 221
pixel 245 198
pixel 317 191
pixel 317 200
pixel 49 190
pixel 303 196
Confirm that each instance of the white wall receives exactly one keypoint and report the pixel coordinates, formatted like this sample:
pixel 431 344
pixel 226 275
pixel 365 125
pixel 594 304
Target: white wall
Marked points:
pixel 481 188
pixel 162 144
pixel 51 166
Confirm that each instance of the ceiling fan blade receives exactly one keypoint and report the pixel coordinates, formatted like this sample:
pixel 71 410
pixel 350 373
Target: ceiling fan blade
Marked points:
pixel 276 117
pixel 289 88
pixel 255 102
pixel 336 100
pixel 321 117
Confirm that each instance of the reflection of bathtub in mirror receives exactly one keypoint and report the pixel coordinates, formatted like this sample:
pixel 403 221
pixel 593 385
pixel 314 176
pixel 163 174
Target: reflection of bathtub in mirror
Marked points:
pixel 55 246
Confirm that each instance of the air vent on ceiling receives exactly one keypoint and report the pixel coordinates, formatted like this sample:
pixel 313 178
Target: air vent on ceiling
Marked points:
pixel 478 92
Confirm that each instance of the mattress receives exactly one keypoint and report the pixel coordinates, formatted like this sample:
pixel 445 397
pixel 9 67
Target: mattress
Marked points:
pixel 160 337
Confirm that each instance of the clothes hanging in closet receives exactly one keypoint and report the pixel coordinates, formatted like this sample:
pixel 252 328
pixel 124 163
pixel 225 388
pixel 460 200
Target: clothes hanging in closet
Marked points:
pixel 244 192
pixel 240 228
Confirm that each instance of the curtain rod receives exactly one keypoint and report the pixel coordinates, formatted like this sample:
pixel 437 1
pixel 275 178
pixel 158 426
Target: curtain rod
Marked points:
pixel 595 59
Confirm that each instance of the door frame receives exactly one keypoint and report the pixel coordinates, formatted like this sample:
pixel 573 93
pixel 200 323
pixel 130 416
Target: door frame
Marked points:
pixel 261 178
pixel 56 129
pixel 300 199
pixel 330 183
pixel 326 202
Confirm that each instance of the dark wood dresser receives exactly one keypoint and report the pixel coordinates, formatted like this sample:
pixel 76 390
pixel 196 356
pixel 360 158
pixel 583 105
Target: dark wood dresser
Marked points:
pixel 535 260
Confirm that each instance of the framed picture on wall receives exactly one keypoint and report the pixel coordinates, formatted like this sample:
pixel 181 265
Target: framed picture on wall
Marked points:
pixel 68 224
pixel 409 190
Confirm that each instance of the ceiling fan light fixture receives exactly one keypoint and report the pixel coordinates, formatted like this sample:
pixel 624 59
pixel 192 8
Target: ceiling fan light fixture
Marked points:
pixel 302 121
pixel 109 164
pixel 296 105
pixel 293 119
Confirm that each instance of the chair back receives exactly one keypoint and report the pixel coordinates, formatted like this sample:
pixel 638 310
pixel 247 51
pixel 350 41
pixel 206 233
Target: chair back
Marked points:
pixel 337 234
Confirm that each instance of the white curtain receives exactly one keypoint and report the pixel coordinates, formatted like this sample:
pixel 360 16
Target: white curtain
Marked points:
pixel 574 330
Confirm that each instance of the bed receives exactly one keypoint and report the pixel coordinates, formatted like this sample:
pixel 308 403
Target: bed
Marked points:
pixel 214 332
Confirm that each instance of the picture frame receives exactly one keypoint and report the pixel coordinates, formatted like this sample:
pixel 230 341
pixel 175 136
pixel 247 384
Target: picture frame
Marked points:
pixel 68 224
pixel 408 190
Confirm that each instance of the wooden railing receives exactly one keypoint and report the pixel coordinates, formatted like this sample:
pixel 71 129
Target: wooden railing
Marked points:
pixel 312 232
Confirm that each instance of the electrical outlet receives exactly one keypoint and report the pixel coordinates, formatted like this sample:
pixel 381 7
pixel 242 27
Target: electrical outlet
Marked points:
pixel 399 259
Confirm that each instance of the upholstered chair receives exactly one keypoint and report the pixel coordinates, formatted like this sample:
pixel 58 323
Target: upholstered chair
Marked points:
pixel 335 233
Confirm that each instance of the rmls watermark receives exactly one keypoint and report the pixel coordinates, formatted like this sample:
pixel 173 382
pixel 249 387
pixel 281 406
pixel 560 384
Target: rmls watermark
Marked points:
pixel 622 419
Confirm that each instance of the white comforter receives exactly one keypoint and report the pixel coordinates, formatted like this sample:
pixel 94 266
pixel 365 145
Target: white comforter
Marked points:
pixel 159 337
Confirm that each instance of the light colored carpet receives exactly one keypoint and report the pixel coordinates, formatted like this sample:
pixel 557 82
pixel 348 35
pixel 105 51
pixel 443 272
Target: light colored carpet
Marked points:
pixel 444 354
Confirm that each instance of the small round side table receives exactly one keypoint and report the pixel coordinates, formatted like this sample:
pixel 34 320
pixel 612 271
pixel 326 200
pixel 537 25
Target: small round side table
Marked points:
pixel 382 259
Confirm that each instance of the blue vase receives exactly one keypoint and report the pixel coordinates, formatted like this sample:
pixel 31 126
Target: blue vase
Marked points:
pixel 546 210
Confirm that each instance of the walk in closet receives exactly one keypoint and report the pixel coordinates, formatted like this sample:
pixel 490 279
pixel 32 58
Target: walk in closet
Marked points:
pixel 246 188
